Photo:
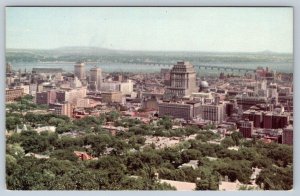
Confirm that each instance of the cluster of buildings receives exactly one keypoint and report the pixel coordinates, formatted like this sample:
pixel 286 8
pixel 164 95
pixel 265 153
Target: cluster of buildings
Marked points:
pixel 258 104
pixel 66 93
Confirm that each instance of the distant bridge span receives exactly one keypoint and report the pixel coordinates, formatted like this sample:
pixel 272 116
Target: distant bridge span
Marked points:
pixel 225 68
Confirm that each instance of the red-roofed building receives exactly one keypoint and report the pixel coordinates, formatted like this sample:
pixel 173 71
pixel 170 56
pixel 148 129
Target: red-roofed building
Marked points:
pixel 83 155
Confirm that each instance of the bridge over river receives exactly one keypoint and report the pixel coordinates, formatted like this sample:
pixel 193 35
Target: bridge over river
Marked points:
pixel 207 67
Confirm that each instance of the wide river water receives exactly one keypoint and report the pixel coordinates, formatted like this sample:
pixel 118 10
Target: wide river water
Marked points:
pixel 147 68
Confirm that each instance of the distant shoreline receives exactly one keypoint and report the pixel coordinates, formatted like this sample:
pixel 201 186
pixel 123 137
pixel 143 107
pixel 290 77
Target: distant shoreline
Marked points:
pixel 149 67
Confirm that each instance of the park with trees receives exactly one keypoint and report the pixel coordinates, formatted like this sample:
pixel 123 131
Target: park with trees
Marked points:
pixel 124 162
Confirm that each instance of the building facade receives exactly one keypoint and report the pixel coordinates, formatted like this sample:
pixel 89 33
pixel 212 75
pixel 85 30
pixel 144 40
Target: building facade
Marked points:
pixel 110 86
pixel 71 95
pixel 9 68
pixel 287 135
pixel 13 94
pixel 83 103
pixel 79 71
pixel 46 70
pixel 112 97
pixel 247 101
pixel 166 76
pixel 96 78
pixel 275 121
pixel 150 103
pixel 246 128
pixel 176 110
pixel 267 120
pixel 182 80
pixel 255 116
pixel 126 87
pixel 213 112
pixel 46 97
pixel 62 109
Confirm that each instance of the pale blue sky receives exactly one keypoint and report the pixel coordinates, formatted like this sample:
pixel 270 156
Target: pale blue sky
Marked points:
pixel 183 29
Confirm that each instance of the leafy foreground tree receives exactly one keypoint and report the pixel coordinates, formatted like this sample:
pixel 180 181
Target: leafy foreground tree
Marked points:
pixel 165 122
pixel 120 168
pixel 52 174
pixel 208 182
pixel 276 178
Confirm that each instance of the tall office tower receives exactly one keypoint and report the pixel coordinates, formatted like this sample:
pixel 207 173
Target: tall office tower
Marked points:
pixel 287 135
pixel 8 68
pixel 183 80
pixel 95 78
pixel 79 71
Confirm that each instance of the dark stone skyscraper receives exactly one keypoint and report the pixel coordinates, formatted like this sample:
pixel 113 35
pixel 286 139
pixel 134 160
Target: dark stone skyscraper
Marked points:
pixel 183 80
pixel 95 78
pixel 8 68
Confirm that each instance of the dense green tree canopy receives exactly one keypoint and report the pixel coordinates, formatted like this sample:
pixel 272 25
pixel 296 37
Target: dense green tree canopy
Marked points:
pixel 125 162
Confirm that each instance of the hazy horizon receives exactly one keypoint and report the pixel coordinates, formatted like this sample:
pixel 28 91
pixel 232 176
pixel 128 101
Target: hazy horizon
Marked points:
pixel 151 29
pixel 128 50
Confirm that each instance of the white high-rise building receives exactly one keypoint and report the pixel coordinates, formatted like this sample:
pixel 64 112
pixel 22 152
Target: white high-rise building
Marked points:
pixel 76 83
pixel 79 71
pixel 126 88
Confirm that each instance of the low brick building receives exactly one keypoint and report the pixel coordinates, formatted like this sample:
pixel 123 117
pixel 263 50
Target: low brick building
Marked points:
pixel 13 94
pixel 112 97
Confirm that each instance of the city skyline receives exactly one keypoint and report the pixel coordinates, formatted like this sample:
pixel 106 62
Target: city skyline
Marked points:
pixel 141 98
pixel 234 131
pixel 152 29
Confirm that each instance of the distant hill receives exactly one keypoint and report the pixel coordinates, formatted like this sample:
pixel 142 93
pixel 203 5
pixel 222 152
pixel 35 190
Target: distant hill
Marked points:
pixel 63 50
pixel 97 54
pixel 98 50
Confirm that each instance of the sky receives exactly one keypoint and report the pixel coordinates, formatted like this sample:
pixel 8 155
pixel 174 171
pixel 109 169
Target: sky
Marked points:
pixel 154 29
